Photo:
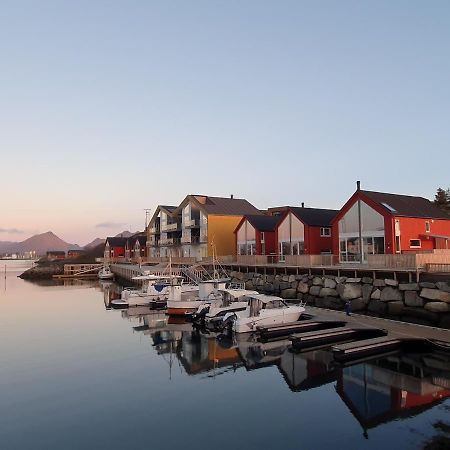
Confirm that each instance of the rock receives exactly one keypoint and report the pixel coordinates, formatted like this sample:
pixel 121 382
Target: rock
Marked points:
pixel 409 286
pixel 276 286
pixel 303 287
pixel 377 307
pixel 389 294
pixel 315 290
pixel 413 299
pixel 268 287
pixel 299 296
pixel 291 278
pixel 435 294
pixel 319 302
pixel 328 292
pixel 366 291
pixel 341 280
pixel 294 284
pixel 309 299
pixel 441 285
pixel 317 281
pixel 249 285
pixel 329 283
pixel 285 278
pixel 421 313
pixel 333 303
pixel 270 278
pixel 239 275
pixel 353 280
pixel 289 293
pixel 437 307
pixel 444 321
pixel 427 284
pixel 367 280
pixel 379 283
pixel 284 285
pixel 395 308
pixel 349 291
pixel 376 294
pixel 358 304
pixel 390 282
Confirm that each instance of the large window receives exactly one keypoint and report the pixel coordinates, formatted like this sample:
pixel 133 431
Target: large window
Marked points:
pixel 415 243
pixel 325 232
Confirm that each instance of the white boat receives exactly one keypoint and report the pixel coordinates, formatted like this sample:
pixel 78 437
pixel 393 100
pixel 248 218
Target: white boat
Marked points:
pixel 262 310
pixel 105 273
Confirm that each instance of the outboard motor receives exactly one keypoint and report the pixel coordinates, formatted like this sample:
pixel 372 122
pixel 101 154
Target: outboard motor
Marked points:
pixel 199 315
pixel 228 321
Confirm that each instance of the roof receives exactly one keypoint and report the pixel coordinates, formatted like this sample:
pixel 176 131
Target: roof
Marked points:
pixel 56 252
pixel 262 222
pixel 225 206
pixel 315 217
pixel 406 205
pixel 141 238
pixel 169 208
pixel 116 241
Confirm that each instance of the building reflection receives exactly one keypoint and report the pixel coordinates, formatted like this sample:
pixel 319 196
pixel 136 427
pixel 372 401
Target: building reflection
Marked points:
pixel 375 391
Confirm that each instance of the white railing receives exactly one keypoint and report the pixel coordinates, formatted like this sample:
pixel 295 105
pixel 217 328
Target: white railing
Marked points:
pixel 203 238
pixel 166 241
pixel 170 227
pixel 191 223
pixel 186 240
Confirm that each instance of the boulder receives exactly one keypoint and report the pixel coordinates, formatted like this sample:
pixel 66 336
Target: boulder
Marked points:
pixel 409 286
pixel 379 283
pixel 358 304
pixel 328 292
pixel 285 278
pixel 421 313
pixel 437 307
pixel 299 296
pixel 309 299
pixel 333 303
pixel 377 307
pixel 376 294
pixel 390 294
pixel 315 290
pixel 319 302
pixel 413 299
pixel 249 285
pixel 329 283
pixel 366 291
pixel 294 284
pixel 427 284
pixel 443 286
pixel 390 282
pixel 395 308
pixel 317 281
pixel 353 280
pixel 291 278
pixel 270 278
pixel 289 293
pixel 435 294
pixel 239 276
pixel 284 285
pixel 349 291
pixel 341 280
pixel 303 287
pixel 276 286
pixel 367 280
pixel 268 287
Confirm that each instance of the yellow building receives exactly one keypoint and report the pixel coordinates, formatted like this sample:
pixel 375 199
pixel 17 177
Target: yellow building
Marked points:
pixel 198 224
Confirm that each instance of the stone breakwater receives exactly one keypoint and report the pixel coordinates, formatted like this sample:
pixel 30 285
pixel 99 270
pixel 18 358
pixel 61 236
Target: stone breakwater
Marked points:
pixel 423 303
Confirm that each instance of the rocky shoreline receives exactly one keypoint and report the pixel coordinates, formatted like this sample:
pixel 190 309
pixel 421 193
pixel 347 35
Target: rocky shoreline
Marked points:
pixel 43 272
pixel 424 303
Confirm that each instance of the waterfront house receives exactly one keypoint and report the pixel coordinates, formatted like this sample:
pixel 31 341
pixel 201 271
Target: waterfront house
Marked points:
pixel 73 253
pixel 54 255
pixel 138 247
pixel 388 224
pixel 256 235
pixel 304 231
pixel 115 248
pixel 190 229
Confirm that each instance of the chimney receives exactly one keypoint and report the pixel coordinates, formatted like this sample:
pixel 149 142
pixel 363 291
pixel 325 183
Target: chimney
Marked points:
pixel 231 196
pixel 303 204
pixel 358 185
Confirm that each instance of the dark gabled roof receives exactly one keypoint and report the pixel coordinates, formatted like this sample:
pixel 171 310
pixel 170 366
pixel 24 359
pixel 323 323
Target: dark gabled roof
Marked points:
pixel 263 223
pixel 56 252
pixel 406 205
pixel 116 241
pixel 169 208
pixel 315 217
pixel 227 206
pixel 142 240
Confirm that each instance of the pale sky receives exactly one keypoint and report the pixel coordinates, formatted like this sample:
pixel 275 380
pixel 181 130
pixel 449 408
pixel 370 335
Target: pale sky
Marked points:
pixel 110 107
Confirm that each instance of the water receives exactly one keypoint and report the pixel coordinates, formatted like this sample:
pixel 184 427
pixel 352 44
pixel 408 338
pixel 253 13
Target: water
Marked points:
pixel 74 375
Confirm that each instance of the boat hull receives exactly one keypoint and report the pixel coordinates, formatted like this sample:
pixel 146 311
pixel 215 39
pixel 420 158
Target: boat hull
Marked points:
pixel 179 308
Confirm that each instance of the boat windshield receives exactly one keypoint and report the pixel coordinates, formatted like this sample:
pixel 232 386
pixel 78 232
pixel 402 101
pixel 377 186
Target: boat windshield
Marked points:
pixel 274 304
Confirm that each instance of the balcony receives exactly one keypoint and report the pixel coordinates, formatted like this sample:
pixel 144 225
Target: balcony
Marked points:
pixel 168 242
pixel 170 227
pixel 189 240
pixel 191 223
pixel 203 238
pixel 152 242
pixel 154 230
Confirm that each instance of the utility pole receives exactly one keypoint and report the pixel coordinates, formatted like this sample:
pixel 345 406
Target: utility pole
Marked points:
pixel 147 212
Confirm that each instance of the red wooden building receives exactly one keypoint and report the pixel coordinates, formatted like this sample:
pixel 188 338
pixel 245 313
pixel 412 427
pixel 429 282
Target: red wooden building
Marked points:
pixel 256 235
pixel 388 224
pixel 115 248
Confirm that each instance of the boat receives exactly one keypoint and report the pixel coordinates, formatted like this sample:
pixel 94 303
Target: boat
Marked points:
pixel 262 310
pixel 105 273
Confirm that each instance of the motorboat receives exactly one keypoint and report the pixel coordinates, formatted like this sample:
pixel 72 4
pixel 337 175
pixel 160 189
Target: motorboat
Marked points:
pixel 105 273
pixel 231 299
pixel 155 291
pixel 262 310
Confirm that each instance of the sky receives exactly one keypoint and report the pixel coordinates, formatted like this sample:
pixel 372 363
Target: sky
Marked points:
pixel 111 107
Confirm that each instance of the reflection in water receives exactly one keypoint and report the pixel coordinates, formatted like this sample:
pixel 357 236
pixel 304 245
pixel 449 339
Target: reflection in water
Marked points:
pixel 375 391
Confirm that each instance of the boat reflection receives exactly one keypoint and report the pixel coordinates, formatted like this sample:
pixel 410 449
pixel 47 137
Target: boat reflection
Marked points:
pixel 375 391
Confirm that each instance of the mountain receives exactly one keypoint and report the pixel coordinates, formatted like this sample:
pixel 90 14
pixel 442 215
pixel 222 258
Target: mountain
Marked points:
pixel 40 243
pixel 94 243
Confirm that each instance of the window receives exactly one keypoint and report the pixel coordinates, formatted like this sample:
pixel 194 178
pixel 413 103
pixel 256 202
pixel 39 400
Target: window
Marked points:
pixel 262 236
pixel 325 232
pixel 414 243
pixel 427 227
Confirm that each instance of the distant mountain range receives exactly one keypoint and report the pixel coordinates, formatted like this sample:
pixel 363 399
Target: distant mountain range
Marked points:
pixel 42 243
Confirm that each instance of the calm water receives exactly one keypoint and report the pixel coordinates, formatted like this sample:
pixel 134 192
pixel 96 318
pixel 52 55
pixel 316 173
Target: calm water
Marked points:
pixel 75 375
